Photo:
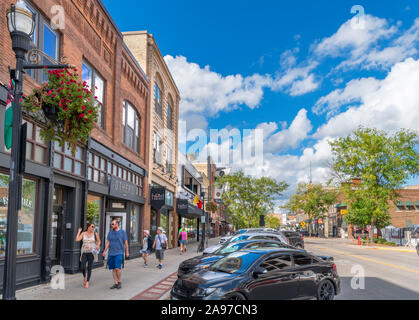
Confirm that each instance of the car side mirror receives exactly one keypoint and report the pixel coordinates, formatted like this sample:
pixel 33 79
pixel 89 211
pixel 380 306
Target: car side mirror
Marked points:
pixel 259 271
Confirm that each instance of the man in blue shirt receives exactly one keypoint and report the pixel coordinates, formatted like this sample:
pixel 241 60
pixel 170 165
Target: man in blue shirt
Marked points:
pixel 117 241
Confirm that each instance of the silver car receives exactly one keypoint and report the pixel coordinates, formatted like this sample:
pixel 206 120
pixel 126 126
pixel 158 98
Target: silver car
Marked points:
pixel 226 238
pixel 277 236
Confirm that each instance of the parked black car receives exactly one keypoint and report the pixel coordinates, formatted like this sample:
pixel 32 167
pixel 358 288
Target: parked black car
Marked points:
pixel 203 262
pixel 261 274
pixel 295 239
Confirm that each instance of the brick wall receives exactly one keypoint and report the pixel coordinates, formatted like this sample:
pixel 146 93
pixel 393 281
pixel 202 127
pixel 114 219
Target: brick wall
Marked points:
pixel 90 35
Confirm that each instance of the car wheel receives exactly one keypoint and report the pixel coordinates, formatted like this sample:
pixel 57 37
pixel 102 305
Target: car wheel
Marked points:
pixel 235 296
pixel 325 290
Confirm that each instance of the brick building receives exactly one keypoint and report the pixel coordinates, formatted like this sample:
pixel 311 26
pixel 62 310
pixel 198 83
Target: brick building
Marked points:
pixel 109 175
pixel 406 210
pixel 164 111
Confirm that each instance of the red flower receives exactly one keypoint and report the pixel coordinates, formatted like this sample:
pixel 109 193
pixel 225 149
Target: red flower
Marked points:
pixel 83 107
pixel 90 111
pixel 82 115
pixel 65 109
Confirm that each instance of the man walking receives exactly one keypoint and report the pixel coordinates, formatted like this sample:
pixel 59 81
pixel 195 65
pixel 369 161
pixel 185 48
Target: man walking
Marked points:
pixel 117 241
pixel 160 244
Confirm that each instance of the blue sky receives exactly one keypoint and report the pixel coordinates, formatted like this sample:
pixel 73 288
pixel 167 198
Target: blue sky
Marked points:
pixel 303 71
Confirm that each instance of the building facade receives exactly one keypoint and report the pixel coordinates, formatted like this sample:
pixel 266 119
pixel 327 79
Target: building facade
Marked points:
pixel 164 110
pixel 190 186
pixel 107 178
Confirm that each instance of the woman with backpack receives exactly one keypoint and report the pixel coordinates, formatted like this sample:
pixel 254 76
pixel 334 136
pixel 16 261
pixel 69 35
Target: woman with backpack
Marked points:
pixel 147 247
pixel 90 247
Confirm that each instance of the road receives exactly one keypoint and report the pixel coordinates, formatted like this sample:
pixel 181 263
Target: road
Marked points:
pixel 388 274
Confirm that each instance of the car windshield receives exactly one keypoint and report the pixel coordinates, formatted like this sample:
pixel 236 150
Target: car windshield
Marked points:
pixel 230 248
pixel 235 263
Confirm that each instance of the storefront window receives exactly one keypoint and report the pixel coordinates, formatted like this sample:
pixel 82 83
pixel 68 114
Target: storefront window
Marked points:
pixel 26 217
pixel 169 198
pixel 135 224
pixel 164 222
pixel 190 227
pixel 93 211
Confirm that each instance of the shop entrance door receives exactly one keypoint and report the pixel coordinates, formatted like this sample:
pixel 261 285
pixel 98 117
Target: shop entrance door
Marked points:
pixel 57 219
pixel 120 216
pixel 56 242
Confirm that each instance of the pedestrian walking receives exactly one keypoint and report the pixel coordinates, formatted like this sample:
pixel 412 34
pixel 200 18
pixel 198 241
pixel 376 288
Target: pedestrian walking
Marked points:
pixel 147 247
pixel 160 244
pixel 90 247
pixel 116 242
pixel 183 237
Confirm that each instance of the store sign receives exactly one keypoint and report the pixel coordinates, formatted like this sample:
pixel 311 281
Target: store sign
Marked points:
pixel 122 189
pixel 158 197
pixel 182 206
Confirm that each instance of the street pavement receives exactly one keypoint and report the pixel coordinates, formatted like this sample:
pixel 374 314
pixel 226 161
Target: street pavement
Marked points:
pixel 389 273
pixel 138 283
pixel 367 273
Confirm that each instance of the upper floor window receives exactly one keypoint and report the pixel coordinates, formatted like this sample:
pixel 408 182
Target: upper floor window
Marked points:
pixel 169 114
pixel 157 149
pixel 36 147
pixel 131 127
pixel 64 160
pixel 97 84
pixel 45 39
pixel 169 160
pixel 158 100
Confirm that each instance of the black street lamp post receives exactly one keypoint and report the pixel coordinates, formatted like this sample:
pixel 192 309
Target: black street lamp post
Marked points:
pixel 21 24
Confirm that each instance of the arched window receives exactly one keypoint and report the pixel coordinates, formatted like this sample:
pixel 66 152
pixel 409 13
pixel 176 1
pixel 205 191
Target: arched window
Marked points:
pixel 131 127
pixel 169 114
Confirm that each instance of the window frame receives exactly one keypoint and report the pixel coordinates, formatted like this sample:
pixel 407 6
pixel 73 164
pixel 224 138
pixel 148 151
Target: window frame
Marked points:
pixel 158 100
pixel 92 88
pixel 137 126
pixel 40 22
pixel 169 119
pixel 64 155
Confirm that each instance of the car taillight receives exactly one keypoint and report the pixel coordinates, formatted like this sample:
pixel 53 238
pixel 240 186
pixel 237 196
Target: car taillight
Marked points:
pixel 302 238
pixel 334 268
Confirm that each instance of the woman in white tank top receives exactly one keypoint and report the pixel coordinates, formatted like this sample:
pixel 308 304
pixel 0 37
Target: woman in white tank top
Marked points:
pixel 90 246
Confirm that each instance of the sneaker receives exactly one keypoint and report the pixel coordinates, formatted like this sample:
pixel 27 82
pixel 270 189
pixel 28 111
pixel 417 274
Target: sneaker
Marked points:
pixel 114 286
pixel 119 286
pixel 160 266
pixel 145 265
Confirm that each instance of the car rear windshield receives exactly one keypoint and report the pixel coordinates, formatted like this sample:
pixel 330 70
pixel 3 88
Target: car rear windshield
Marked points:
pixel 235 263
pixel 230 248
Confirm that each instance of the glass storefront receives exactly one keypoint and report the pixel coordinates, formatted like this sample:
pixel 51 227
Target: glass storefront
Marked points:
pixel 94 211
pixel 26 216
pixel 135 224
pixel 191 228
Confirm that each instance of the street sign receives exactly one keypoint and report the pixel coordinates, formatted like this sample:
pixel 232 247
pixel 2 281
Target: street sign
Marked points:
pixel 343 212
pixel 303 225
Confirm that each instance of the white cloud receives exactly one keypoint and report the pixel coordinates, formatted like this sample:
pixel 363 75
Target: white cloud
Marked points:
pixel 286 138
pixel 389 104
pixel 354 91
pixel 207 92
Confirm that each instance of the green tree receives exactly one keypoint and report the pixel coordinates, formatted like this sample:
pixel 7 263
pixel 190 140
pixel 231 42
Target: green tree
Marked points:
pixel 371 165
pixel 312 199
pixel 92 212
pixel 272 221
pixel 246 198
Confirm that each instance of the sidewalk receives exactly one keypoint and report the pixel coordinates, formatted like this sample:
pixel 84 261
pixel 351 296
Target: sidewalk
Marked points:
pixel 135 279
pixel 354 242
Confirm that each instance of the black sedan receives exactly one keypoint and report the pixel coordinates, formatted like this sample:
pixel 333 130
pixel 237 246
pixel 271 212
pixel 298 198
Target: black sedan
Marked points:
pixel 203 262
pixel 261 274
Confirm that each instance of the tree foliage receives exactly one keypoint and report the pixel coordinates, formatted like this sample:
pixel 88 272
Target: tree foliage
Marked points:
pixel 371 165
pixel 272 221
pixel 246 198
pixel 312 199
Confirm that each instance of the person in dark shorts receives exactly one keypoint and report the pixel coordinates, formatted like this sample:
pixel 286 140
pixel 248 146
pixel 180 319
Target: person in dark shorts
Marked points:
pixel 91 245
pixel 147 246
pixel 117 241
pixel 160 244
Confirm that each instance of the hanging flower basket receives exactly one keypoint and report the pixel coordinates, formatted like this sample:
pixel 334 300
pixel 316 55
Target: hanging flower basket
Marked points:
pixel 68 107
pixel 211 207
